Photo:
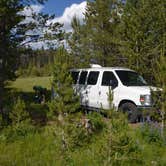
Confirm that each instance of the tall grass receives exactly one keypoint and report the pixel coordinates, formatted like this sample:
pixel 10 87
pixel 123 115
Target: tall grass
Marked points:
pixel 45 146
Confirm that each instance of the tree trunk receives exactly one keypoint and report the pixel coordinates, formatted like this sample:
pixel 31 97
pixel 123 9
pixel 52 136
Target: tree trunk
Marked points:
pixel 162 123
pixel 1 98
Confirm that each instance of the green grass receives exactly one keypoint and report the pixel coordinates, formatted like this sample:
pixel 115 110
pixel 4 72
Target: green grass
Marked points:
pixel 45 147
pixel 26 84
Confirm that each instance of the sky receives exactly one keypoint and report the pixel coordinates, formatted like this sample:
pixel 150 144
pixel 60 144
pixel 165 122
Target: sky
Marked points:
pixel 57 7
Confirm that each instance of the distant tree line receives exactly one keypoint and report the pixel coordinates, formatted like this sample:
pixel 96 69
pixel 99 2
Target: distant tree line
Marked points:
pixel 36 63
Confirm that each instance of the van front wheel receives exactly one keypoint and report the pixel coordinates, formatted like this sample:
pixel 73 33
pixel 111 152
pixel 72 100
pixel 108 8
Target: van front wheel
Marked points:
pixel 131 111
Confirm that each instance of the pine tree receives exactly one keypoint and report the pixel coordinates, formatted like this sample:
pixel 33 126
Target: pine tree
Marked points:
pixel 142 30
pixel 79 49
pixel 96 39
pixel 160 78
pixel 19 113
pixel 102 19
pixel 65 101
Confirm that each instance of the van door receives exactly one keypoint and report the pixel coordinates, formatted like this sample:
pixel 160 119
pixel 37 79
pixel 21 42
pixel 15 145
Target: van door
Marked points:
pixel 92 89
pixel 108 82
pixel 75 75
pixel 81 88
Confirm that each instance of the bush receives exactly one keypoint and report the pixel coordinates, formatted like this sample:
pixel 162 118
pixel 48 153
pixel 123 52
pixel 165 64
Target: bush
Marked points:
pixel 19 113
pixel 97 121
pixel 65 100
pixel 76 137
pixel 13 133
pixel 38 113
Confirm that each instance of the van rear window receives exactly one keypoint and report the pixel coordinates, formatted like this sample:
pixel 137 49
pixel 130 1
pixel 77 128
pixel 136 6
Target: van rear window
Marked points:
pixel 83 77
pixel 92 78
pixel 74 75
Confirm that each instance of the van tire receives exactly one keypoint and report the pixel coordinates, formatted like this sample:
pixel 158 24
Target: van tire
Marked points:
pixel 131 111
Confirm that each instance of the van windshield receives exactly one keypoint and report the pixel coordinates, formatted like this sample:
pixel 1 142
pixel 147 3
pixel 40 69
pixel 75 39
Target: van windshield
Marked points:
pixel 131 78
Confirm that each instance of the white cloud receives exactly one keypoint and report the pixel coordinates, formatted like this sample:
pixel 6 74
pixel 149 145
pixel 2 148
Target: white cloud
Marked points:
pixel 29 10
pixel 74 10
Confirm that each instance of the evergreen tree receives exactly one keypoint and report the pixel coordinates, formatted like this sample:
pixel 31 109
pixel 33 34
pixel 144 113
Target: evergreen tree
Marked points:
pixel 102 19
pixel 97 37
pixel 160 78
pixel 65 101
pixel 142 34
pixel 13 31
pixel 78 48
pixel 19 113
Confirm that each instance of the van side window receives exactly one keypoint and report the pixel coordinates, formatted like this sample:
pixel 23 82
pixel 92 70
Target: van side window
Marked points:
pixel 109 79
pixel 74 75
pixel 92 78
pixel 83 77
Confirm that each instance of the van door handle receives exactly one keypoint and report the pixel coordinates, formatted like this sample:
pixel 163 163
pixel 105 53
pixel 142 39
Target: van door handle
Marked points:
pixel 99 92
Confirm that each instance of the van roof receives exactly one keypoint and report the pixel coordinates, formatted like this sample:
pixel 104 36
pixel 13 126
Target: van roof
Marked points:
pixel 104 68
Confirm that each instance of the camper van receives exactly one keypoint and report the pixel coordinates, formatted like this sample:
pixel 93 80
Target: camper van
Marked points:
pixel 130 91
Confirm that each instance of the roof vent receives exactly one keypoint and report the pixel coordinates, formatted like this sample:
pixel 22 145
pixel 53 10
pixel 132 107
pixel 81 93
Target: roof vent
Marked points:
pixel 95 65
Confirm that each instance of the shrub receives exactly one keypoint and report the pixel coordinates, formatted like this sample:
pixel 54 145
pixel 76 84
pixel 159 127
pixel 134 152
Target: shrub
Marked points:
pixel 65 100
pixel 38 113
pixel 13 133
pixel 97 121
pixel 19 113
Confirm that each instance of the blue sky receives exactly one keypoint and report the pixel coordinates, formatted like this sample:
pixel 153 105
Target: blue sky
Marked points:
pixel 57 7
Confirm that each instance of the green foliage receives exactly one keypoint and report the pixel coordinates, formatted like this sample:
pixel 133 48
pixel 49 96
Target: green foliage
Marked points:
pixel 76 136
pixel 19 113
pixel 96 121
pixel 40 61
pixel 65 101
pixel 13 133
pixel 77 43
pixel 160 77
pixel 38 113
pixel 71 144
pixel 124 149
pixel 160 95
pixel 96 40
pixel 101 20
pixel 151 134
pixel 142 35
pixel 34 71
pixel 34 149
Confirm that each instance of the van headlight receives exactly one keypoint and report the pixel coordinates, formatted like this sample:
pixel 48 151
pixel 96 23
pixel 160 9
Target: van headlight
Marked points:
pixel 145 100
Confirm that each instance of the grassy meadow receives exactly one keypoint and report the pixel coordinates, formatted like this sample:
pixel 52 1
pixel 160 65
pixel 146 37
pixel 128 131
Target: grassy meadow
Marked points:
pixel 26 84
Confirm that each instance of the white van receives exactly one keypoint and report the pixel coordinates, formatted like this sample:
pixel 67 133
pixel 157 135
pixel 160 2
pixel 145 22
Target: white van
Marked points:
pixel 130 91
